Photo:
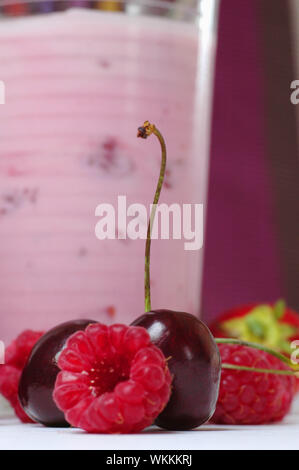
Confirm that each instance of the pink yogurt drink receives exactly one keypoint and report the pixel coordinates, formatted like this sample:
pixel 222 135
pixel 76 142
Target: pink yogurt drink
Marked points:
pixel 77 86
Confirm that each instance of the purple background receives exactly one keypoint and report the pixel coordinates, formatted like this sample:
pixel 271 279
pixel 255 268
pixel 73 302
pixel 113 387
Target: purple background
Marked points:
pixel 244 257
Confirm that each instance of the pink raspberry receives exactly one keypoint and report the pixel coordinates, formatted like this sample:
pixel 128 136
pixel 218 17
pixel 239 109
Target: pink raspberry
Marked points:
pixel 112 379
pixel 16 356
pixel 18 351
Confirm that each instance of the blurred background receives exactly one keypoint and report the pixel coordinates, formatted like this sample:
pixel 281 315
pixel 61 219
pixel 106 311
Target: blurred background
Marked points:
pixel 252 233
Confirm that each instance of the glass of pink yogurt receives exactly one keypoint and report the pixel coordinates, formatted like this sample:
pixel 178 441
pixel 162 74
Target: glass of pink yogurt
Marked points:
pixel 78 83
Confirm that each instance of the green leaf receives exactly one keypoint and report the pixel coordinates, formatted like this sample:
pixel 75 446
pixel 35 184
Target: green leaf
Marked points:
pixel 279 309
pixel 255 326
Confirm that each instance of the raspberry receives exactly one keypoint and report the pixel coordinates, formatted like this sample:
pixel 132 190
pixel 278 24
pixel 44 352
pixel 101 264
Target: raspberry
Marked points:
pixel 250 397
pixel 16 356
pixel 112 379
pixel 9 381
pixel 18 351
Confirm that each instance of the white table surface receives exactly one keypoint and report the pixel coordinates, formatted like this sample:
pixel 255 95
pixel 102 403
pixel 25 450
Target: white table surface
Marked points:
pixel 281 436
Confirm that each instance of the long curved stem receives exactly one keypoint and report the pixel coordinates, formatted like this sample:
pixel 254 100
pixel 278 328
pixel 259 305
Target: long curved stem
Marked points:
pixel 293 370
pixel 144 131
pixel 225 365
pixel 260 347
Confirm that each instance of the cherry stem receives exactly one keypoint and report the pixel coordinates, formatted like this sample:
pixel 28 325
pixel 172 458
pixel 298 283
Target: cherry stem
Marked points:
pixel 146 130
pixel 260 347
pixel 224 365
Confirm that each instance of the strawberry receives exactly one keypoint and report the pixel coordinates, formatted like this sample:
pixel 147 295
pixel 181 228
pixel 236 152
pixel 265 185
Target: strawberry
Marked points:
pixel 272 325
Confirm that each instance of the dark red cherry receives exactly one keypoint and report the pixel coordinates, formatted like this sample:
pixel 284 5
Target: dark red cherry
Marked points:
pixel 39 374
pixel 194 362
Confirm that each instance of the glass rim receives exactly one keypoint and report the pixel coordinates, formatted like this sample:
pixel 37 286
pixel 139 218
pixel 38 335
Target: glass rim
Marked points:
pixel 163 4
pixel 202 13
pixel 184 6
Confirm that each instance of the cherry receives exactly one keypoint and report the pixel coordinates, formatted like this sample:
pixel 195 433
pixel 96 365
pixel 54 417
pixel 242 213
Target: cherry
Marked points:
pixel 194 358
pixel 39 374
pixel 194 361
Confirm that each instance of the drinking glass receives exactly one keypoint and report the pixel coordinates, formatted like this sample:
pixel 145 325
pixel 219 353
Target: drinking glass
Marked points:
pixel 79 79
